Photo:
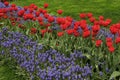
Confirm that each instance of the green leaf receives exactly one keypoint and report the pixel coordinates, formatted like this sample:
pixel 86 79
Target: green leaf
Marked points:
pixel 27 32
pixel 87 55
pixel 114 74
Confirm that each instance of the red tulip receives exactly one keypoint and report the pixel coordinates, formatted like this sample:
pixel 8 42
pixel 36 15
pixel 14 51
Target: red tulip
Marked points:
pixel 40 10
pixel 47 25
pixel 95 28
pixel 69 31
pixel 118 26
pixel 43 31
pixel 37 13
pixel 101 22
pixel 76 33
pixel 105 23
pixel 21 26
pixel 31 10
pixel 13 23
pixel 40 19
pixel 77 23
pixel 11 9
pixel 83 26
pixel 68 23
pixel 25 8
pixel 49 31
pixel 46 5
pixel 60 20
pixel 117 40
pixel 108 39
pixel 1 14
pixel 21 13
pixel 76 27
pixel 15 8
pixel 12 18
pixel 98 43
pixel 59 34
pixel 33 30
pixel 6 3
pixel 70 19
pixel 41 23
pixel 25 17
pixel 109 44
pixel 63 26
pixel 50 19
pixel 86 34
pixel 109 21
pixel 101 18
pixel 82 15
pixel 89 15
pixel 60 11
pixel 34 19
pixel 30 16
pixel 83 22
pixel 13 5
pixel 92 19
pixel 113 30
pixel 111 49
pixel 31 5
pixel 5 16
pixel 94 34
pixel 96 22
pixel 46 15
pixel 35 7
pixel 44 11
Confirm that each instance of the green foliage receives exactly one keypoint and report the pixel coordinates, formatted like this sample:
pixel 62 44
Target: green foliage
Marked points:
pixel 107 8
pixel 115 74
pixel 9 70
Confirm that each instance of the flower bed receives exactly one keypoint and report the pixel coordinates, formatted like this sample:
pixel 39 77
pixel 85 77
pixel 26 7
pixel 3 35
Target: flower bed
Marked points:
pixel 81 45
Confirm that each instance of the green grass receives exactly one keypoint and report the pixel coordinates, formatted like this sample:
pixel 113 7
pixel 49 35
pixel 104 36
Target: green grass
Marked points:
pixel 6 73
pixel 107 8
pixel 8 70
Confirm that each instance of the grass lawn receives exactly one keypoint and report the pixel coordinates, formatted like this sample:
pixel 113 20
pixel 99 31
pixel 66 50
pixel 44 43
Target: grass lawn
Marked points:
pixel 107 8
pixel 6 73
pixel 8 70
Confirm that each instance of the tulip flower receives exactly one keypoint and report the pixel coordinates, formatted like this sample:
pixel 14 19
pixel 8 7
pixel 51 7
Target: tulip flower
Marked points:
pixel 98 43
pixel 101 18
pixel 111 49
pixel 59 34
pixel 89 15
pixel 59 11
pixel 33 30
pixel 6 3
pixel 86 34
pixel 83 15
pixel 117 40
pixel 46 5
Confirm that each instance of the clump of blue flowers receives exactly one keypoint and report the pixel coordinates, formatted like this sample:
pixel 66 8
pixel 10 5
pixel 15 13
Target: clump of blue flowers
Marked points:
pixel 40 63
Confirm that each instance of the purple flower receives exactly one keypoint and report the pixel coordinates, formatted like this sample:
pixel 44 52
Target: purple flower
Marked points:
pixel 100 73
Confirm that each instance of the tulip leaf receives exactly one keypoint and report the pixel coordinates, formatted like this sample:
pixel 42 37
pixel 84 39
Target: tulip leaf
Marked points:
pixel 87 55
pixel 114 74
pixel 27 32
